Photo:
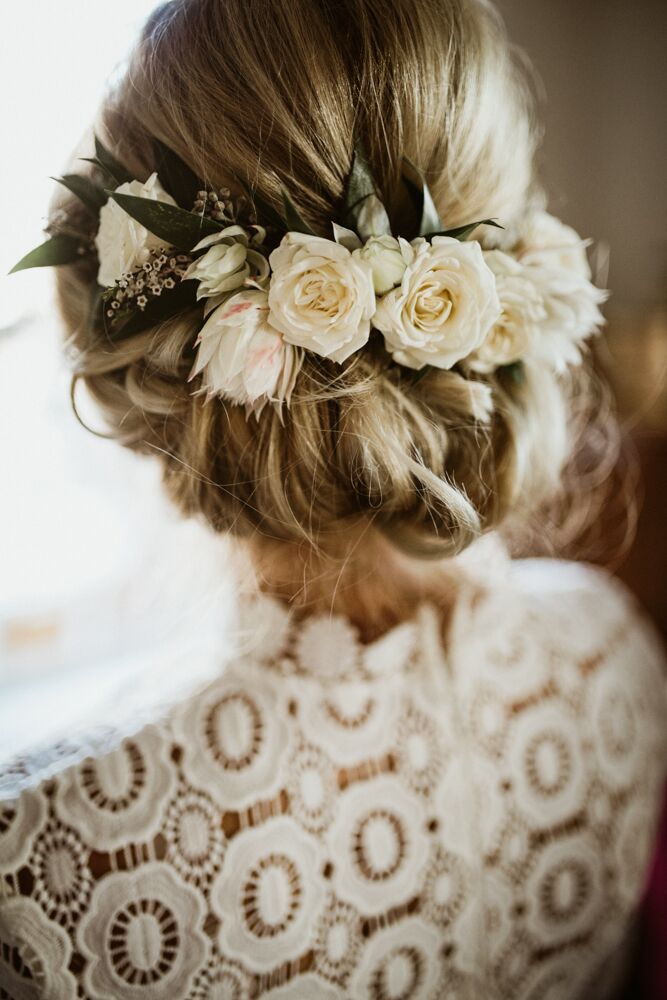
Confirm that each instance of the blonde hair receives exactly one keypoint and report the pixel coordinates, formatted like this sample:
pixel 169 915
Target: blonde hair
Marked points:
pixel 276 91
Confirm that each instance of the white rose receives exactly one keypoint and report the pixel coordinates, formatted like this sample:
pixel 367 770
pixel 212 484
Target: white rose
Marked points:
pixel 321 296
pixel 443 308
pixel 230 262
pixel 122 242
pixel 241 357
pixel 572 314
pixel 548 242
pixel 522 311
pixel 386 259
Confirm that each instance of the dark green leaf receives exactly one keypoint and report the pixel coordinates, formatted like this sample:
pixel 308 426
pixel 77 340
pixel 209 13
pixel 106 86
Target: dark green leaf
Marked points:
pixel 174 225
pixel 55 251
pixel 420 374
pixel 515 372
pixel 427 214
pixel 266 213
pixel 176 176
pixel 295 224
pixel 170 303
pixel 463 232
pixel 110 164
pixel 360 181
pixel 92 196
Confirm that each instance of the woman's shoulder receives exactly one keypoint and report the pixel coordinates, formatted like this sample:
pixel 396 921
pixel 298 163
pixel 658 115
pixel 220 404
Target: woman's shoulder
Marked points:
pixel 575 612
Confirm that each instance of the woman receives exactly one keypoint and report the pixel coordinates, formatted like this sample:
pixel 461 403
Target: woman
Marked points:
pixel 428 770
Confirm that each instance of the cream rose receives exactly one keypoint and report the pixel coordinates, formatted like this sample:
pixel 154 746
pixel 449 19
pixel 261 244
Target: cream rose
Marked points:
pixel 321 296
pixel 242 358
pixel 522 311
pixel 387 260
pixel 444 307
pixel 122 242
pixel 231 261
pixel 548 242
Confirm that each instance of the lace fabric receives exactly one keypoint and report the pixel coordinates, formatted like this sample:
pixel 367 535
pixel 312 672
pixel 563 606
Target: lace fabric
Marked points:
pixel 332 820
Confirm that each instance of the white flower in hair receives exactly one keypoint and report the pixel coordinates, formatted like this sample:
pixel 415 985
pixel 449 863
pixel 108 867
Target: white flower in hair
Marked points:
pixel 230 262
pixel 548 242
pixel 522 311
pixel 321 295
pixel 123 244
pixel 444 307
pixel 241 357
pixel 387 261
pixel 572 314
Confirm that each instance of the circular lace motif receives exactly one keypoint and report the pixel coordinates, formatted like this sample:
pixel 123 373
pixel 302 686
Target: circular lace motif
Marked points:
pixel 143 931
pixel 352 721
pixel 195 841
pixel 19 822
pixel 233 738
pixel 118 797
pixel 565 889
pixel 302 987
pixel 222 980
pixel 337 941
pixel 544 759
pixel 633 845
pixel 419 752
pixel 618 743
pixel 378 844
pixel 63 881
pixel 401 962
pixel 269 894
pixel 312 788
pixel 444 891
pixel 34 953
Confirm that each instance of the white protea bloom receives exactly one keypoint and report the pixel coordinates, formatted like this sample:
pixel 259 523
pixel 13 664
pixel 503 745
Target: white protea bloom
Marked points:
pixel 123 244
pixel 444 306
pixel 321 296
pixel 572 315
pixel 241 357
pixel 548 242
pixel 232 261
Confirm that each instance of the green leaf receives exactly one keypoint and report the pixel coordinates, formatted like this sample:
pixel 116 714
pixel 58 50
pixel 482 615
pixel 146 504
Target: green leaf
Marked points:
pixel 420 374
pixel 55 251
pixel 111 164
pixel 371 218
pixel 170 303
pixel 413 179
pixel 463 232
pixel 174 225
pixel 266 213
pixel 176 176
pixel 295 224
pixel 360 181
pixel 515 372
pixel 92 196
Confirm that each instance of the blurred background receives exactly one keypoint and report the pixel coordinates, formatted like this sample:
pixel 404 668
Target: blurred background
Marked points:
pixel 98 578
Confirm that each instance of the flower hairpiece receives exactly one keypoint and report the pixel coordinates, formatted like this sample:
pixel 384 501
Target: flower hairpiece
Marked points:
pixel 269 292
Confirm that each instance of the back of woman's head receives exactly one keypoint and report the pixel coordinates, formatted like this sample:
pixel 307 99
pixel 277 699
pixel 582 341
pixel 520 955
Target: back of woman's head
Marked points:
pixel 277 92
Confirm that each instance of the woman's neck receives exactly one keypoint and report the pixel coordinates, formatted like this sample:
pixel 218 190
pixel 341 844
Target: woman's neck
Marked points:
pixel 363 578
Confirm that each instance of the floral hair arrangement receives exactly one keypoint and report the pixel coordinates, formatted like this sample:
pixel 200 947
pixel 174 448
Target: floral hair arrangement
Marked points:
pixel 270 292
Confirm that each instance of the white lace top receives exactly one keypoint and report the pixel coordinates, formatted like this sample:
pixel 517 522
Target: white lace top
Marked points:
pixel 407 819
